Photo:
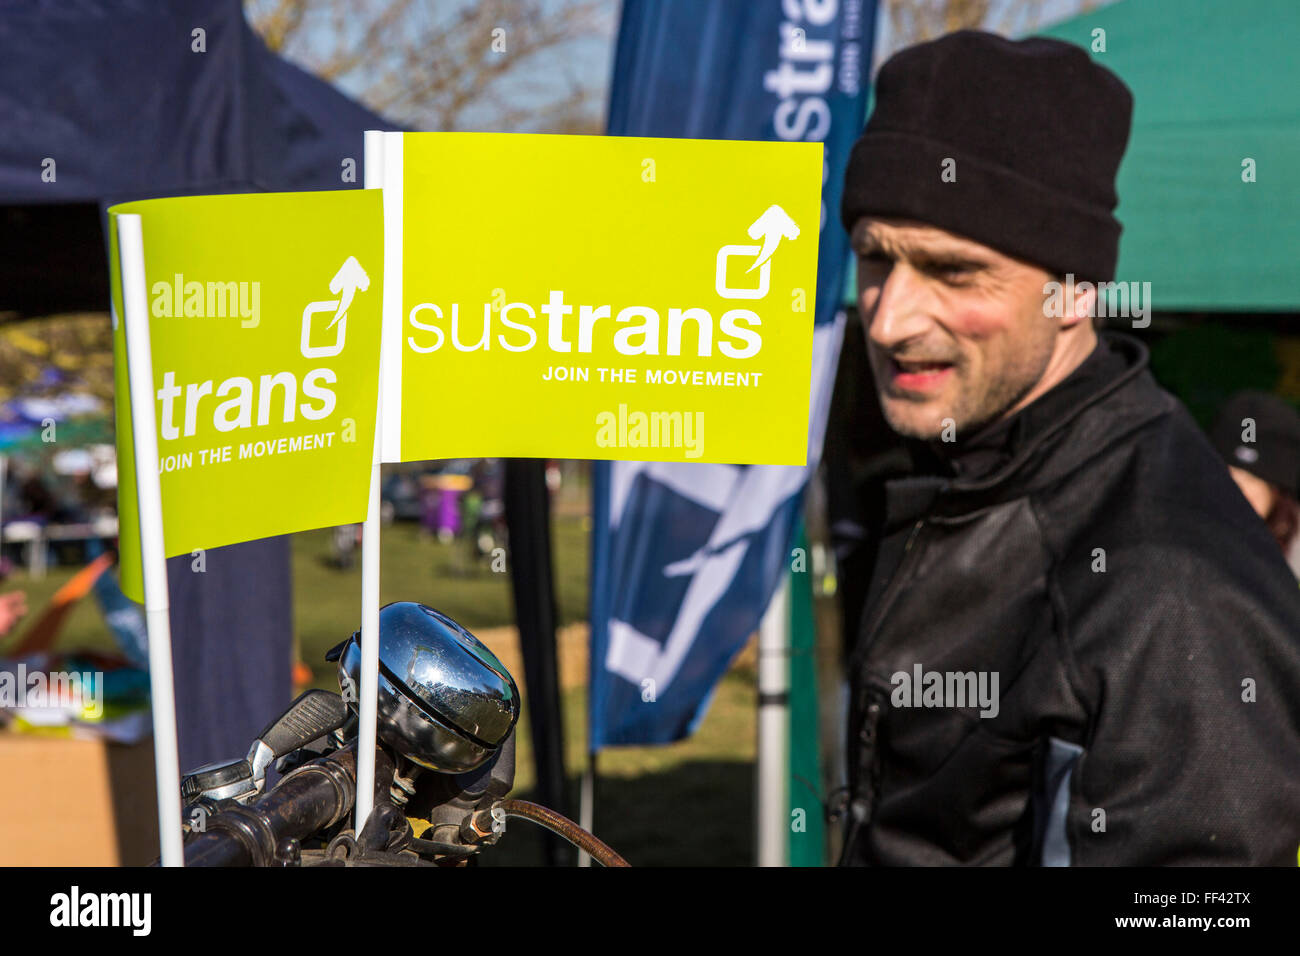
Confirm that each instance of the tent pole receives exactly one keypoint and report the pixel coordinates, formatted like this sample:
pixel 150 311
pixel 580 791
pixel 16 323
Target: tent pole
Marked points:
pixel 528 527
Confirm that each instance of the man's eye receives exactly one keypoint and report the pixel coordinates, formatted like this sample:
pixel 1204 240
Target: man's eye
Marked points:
pixel 953 275
pixel 874 259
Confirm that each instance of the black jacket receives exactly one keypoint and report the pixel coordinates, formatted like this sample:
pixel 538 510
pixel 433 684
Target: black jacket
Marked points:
pixel 1092 552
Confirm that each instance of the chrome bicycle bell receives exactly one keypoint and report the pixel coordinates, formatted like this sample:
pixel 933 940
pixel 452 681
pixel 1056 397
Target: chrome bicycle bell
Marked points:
pixel 445 701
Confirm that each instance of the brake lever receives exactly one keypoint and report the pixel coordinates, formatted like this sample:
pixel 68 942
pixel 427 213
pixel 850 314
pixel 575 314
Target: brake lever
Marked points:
pixel 313 715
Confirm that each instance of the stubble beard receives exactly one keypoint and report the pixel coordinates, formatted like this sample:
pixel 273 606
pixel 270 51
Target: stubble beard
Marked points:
pixel 969 412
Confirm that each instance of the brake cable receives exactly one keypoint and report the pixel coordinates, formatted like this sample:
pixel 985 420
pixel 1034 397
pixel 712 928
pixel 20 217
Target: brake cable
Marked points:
pixel 565 828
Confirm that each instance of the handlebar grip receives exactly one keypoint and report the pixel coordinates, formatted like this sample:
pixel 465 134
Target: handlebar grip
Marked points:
pixel 307 800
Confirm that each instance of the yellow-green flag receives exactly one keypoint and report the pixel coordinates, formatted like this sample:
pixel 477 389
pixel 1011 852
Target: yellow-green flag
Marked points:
pixel 264 315
pixel 600 297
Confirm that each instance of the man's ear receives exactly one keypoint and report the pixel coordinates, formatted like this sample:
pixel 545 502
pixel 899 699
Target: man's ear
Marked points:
pixel 1081 302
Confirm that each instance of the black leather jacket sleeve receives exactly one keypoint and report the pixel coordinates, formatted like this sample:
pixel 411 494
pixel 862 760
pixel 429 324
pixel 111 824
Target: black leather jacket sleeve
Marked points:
pixel 1189 670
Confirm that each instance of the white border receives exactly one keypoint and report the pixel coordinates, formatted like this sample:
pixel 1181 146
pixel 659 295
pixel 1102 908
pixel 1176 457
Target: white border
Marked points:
pixel 390 385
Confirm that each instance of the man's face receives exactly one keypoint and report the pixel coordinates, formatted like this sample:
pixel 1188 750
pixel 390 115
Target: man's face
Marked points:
pixel 1258 492
pixel 955 330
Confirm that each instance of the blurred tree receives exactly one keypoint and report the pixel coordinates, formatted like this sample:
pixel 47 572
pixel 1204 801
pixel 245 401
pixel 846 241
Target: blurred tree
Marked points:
pixel 496 65
pixel 79 347
pixel 914 21
pixel 906 22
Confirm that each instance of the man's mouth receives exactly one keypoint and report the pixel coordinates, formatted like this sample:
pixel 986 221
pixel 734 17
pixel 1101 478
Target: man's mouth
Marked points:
pixel 917 375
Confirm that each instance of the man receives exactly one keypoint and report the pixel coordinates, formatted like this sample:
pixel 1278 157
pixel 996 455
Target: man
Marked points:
pixel 1078 647
pixel 1258 435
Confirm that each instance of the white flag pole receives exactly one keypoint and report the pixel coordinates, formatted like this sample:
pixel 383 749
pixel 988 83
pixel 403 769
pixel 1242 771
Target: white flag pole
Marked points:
pixel 587 805
pixel 153 558
pixel 771 767
pixel 368 692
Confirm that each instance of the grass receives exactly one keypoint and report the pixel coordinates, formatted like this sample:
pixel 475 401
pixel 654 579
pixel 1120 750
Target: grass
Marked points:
pixel 685 804
pixel 689 803
pixel 414 566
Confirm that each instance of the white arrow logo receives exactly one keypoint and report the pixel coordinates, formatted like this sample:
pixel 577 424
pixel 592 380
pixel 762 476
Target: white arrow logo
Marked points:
pixel 773 226
pixel 345 284
pixel 349 279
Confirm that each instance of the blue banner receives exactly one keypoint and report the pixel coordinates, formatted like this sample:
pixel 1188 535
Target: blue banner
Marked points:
pixel 686 557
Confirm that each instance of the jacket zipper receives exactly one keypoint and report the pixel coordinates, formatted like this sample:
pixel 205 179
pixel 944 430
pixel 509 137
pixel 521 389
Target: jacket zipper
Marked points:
pixel 863 799
pixel 862 802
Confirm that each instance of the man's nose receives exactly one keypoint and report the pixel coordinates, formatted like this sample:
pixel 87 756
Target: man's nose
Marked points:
pixel 901 312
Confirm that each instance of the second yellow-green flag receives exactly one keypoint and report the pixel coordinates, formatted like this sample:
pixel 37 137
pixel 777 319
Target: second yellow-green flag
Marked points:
pixel 264 315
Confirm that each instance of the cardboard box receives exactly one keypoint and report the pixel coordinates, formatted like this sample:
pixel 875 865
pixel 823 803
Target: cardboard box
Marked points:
pixel 76 802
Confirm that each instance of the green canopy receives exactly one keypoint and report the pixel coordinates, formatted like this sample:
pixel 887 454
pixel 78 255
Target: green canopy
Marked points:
pixel 1214 84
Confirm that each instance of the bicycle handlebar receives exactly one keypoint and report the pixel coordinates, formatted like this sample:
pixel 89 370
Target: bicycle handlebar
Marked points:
pixel 307 800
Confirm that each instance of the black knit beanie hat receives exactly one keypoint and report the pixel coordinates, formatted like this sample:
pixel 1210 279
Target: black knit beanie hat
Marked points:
pixel 1036 130
pixel 1274 455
